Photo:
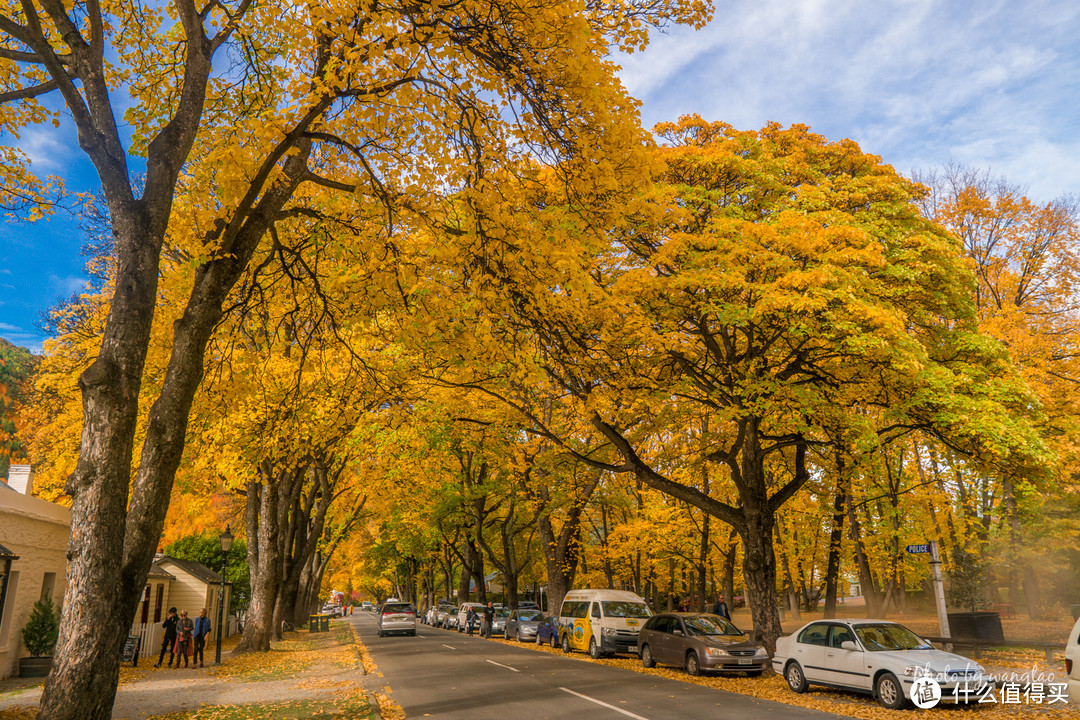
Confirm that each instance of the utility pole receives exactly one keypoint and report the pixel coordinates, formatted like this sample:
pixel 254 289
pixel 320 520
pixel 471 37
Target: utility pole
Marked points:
pixel 939 589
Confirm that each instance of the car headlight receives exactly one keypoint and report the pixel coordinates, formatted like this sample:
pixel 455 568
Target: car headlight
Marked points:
pixel 716 652
pixel 608 631
pixel 760 652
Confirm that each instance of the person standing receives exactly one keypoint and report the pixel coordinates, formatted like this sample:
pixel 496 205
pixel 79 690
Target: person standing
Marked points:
pixel 721 608
pixel 184 631
pixel 202 630
pixel 168 638
pixel 470 619
pixel 489 620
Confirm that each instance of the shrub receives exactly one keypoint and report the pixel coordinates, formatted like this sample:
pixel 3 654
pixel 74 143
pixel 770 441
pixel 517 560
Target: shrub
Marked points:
pixel 41 630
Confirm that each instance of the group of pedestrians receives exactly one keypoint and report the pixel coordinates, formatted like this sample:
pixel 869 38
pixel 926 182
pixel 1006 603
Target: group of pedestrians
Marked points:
pixel 472 618
pixel 184 638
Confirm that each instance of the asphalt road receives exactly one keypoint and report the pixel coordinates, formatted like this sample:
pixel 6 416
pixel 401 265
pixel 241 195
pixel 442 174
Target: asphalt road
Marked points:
pixel 445 674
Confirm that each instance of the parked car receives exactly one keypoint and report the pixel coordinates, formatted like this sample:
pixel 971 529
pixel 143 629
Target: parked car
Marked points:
pixel 602 621
pixel 521 625
pixel 498 624
pixel 463 610
pixel 1072 664
pixel 442 613
pixel 331 610
pixel 397 617
pixel 547 631
pixel 699 643
pixel 876 657
pixel 527 605
pixel 367 606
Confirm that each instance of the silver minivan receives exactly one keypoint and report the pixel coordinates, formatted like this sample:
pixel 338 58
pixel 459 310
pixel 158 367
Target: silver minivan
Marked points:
pixel 397 617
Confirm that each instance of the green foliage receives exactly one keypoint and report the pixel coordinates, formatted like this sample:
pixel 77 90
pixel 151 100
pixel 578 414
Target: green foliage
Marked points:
pixel 967 581
pixel 16 366
pixel 41 630
pixel 205 548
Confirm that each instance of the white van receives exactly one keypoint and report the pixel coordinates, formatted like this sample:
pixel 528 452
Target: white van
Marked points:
pixel 601 622
pixel 1072 664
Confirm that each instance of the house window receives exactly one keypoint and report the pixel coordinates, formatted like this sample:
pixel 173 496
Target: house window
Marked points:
pixel 159 602
pixel 48 584
pixel 145 605
pixel 8 609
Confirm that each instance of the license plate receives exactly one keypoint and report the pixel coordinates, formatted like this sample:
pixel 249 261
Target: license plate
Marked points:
pixel 746 661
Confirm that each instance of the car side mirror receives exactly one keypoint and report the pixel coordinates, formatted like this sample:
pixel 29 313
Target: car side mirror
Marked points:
pixel 677 633
pixel 849 645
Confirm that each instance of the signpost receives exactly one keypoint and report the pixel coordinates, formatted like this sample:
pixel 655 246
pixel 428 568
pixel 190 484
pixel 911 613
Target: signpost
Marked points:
pixel 935 577
pixel 915 549
pixel 130 653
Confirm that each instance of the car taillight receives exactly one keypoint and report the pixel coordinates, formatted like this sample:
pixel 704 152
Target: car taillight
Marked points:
pixel 1068 666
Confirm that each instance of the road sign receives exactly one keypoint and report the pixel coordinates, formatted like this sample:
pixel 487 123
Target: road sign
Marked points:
pixel 914 549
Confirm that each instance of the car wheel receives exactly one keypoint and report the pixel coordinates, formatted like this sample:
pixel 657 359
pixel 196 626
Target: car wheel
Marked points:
pixel 554 641
pixel 566 642
pixel 538 638
pixel 594 649
pixel 646 657
pixel 519 638
pixel 692 667
pixel 796 680
pixel 380 633
pixel 413 633
pixel 889 691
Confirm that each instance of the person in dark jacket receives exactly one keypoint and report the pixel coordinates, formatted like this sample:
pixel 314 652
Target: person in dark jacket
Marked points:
pixel 202 629
pixel 470 619
pixel 168 638
pixel 721 608
pixel 489 620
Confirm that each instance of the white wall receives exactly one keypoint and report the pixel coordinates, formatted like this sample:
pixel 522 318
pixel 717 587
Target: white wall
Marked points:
pixel 37 531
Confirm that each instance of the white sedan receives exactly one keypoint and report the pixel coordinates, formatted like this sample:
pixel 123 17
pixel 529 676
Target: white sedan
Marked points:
pixel 876 657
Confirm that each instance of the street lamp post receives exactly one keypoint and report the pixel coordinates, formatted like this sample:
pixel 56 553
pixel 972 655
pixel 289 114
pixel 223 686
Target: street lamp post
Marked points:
pixel 226 543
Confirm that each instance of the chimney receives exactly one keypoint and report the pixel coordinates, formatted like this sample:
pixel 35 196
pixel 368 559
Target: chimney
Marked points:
pixel 21 478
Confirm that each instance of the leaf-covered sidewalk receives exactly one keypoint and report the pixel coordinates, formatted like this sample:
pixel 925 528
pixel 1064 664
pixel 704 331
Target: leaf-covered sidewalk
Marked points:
pixel 307 675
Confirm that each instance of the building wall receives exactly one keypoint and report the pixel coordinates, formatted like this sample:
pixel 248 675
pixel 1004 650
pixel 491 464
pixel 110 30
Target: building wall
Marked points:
pixel 37 531
pixel 188 592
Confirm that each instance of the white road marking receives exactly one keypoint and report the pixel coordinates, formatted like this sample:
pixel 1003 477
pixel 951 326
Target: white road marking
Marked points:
pixel 508 667
pixel 421 636
pixel 600 702
pixel 451 648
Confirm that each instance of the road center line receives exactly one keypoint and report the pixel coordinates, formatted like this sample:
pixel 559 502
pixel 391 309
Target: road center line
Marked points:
pixel 600 702
pixel 508 667
pixel 448 647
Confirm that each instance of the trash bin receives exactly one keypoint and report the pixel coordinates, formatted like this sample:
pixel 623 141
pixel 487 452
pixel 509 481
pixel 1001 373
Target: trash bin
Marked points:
pixel 313 623
pixel 985 626
pixel 324 623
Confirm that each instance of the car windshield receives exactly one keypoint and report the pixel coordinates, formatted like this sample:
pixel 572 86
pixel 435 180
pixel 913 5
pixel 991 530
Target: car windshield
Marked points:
pixel 529 615
pixel 398 608
pixel 709 625
pixel 889 637
pixel 624 609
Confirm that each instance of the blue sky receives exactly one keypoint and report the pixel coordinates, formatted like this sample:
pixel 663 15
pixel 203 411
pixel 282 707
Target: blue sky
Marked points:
pixel 921 83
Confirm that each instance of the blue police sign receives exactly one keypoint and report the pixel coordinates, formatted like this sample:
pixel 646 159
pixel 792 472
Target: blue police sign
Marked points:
pixel 918 548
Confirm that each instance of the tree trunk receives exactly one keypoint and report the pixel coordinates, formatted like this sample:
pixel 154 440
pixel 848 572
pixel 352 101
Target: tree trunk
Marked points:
pixel 263 560
pixel 836 539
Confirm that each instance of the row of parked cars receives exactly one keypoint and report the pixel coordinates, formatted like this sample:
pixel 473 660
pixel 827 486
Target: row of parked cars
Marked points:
pixel 876 657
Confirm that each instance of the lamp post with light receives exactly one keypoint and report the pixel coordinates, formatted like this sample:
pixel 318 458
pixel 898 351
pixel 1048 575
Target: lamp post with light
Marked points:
pixel 226 544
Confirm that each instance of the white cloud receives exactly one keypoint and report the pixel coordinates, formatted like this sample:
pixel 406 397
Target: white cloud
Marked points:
pixel 920 82
pixel 67 285
pixel 4 327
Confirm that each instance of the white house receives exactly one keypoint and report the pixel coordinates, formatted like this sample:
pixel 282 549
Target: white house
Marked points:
pixel 185 585
pixel 33 562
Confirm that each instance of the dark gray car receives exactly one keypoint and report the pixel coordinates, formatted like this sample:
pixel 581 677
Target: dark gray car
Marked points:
pixel 699 642
pixel 521 625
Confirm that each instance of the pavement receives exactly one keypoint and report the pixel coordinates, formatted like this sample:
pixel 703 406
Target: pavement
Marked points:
pixel 448 675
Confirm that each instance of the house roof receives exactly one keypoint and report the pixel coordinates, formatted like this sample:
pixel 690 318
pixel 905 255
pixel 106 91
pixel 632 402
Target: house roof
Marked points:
pixel 5 553
pixel 193 568
pixel 156 571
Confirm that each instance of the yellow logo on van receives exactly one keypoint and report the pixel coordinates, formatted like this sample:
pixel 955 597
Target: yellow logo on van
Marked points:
pixel 579 632
pixel 632 623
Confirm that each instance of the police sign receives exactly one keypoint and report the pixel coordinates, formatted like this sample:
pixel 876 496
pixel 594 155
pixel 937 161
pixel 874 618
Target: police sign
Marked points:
pixel 918 549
